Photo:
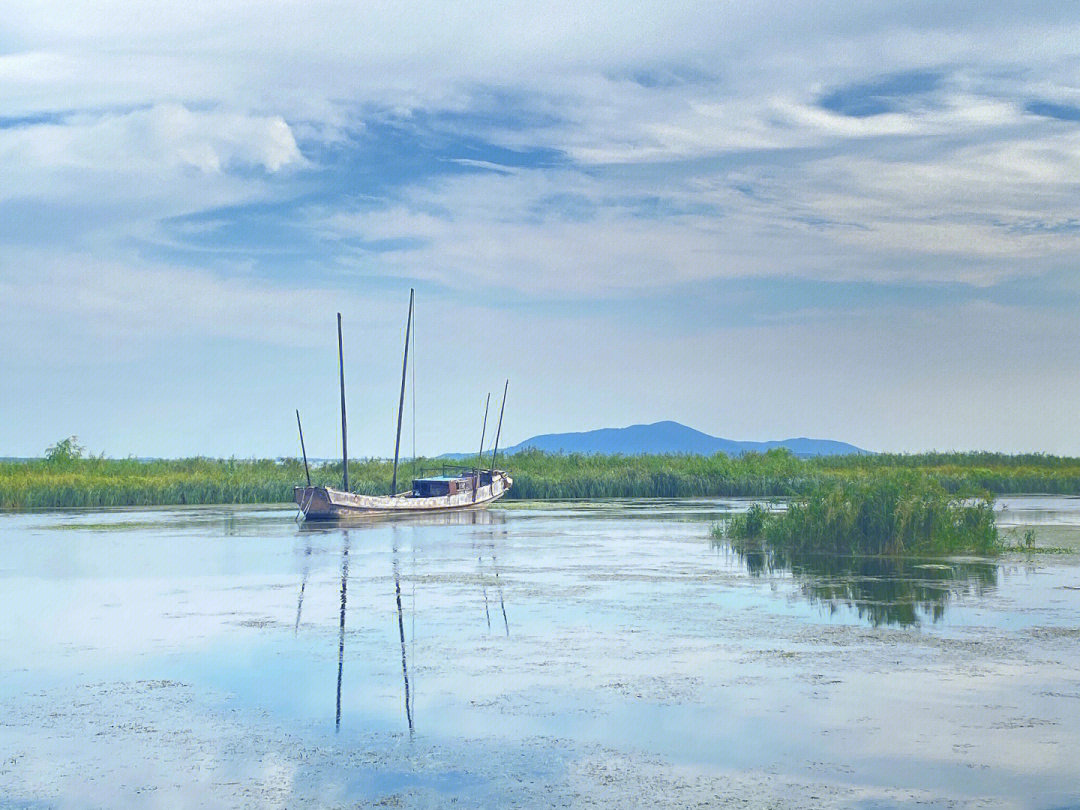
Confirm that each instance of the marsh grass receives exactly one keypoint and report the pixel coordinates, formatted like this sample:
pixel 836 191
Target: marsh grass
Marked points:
pixel 66 478
pixel 1026 542
pixel 897 513
pixel 91 482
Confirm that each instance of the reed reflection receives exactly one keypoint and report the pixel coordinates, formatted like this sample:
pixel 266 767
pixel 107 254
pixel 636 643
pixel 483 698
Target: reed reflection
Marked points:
pixel 882 590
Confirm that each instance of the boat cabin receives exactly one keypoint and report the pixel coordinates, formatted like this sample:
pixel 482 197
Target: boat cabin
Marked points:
pixel 441 485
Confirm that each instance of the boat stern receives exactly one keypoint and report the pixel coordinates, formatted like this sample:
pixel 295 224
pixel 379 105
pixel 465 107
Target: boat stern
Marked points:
pixel 315 503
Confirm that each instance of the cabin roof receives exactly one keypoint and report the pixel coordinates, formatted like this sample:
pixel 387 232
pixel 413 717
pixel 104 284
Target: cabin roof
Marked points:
pixel 436 478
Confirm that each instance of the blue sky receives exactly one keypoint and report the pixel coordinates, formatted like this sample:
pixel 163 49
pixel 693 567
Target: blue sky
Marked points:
pixel 764 220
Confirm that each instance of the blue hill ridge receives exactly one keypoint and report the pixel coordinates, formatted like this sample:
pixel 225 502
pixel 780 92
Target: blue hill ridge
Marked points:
pixel 672 437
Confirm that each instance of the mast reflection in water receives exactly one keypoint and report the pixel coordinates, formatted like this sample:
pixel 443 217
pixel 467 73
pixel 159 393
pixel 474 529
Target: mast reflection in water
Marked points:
pixel 303 586
pixel 498 586
pixel 341 627
pixel 450 519
pixel 401 634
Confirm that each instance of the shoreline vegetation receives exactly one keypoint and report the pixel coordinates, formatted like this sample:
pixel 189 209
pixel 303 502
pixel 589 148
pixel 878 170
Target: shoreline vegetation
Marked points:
pixel 66 478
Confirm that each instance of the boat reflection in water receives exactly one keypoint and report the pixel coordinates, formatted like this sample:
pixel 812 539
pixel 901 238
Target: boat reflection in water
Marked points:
pixel 882 590
pixel 357 523
pixel 465 517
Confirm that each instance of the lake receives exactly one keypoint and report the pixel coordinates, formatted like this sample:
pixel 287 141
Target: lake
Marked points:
pixel 533 655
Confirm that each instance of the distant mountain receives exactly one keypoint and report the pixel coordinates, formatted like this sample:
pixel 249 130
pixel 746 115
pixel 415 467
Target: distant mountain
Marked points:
pixel 671 437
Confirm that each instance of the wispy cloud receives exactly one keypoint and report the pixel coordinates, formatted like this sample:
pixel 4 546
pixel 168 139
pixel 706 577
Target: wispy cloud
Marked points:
pixel 173 167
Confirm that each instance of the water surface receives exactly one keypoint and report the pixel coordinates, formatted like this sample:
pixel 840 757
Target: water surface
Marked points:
pixel 584 654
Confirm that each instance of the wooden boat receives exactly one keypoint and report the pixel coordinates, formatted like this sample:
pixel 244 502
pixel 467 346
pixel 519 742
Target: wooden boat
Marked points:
pixel 433 494
pixel 472 488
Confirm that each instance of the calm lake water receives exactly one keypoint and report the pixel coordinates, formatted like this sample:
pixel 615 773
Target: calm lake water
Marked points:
pixel 571 655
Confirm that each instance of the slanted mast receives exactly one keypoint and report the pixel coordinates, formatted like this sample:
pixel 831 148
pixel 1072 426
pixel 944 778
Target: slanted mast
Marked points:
pixel 401 400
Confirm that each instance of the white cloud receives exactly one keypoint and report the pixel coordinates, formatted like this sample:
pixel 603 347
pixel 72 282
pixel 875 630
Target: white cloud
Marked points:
pixel 164 139
pixel 215 84
pixel 1005 200
pixel 115 176
pixel 964 214
pixel 301 60
pixel 514 232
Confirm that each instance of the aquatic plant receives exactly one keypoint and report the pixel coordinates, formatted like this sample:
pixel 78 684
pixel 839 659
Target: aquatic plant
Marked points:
pixel 750 525
pixel 64 451
pixel 66 478
pixel 89 482
pixel 896 513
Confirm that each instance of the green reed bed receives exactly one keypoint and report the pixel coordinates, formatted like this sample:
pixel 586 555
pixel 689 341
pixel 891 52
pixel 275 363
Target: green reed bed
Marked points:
pixel 959 472
pixel 778 473
pixel 898 513
pixel 67 478
pixel 550 476
pixel 91 482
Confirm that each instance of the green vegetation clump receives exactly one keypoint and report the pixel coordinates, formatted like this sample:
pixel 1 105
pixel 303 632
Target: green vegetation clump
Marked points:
pixel 777 473
pixel 899 513
pixel 558 476
pixel 999 473
pixel 91 482
pixel 66 477
pixel 64 452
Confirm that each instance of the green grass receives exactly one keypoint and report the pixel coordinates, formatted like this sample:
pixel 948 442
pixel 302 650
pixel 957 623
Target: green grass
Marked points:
pixel 66 479
pixel 777 473
pixel 898 513
pixel 129 482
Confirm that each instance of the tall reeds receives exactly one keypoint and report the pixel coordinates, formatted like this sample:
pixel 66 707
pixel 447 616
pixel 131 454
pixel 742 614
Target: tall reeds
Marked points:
pixel 65 479
pixel 895 514
pixel 130 482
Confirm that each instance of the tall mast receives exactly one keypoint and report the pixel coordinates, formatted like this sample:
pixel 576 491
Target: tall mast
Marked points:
pixel 401 400
pixel 303 449
pixel 480 454
pixel 344 431
pixel 499 431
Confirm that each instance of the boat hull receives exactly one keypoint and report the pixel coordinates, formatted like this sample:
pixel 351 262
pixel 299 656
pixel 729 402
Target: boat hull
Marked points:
pixel 327 503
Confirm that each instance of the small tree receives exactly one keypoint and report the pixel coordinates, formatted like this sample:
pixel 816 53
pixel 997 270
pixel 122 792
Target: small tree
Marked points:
pixel 65 451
